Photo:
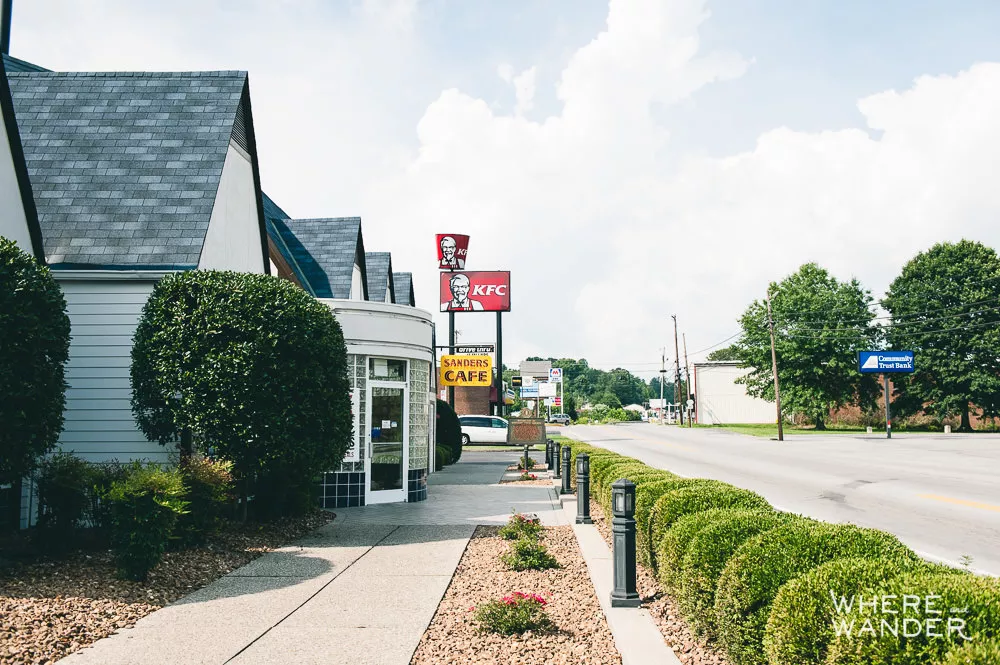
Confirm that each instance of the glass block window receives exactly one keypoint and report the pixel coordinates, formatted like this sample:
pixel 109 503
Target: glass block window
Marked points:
pixel 357 377
pixel 420 413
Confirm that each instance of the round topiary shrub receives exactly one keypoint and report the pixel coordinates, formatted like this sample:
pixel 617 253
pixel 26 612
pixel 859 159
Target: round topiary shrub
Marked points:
pixel 448 430
pixel 602 466
pixel 755 573
pixel 800 626
pixel 34 347
pixel 692 499
pixel 975 652
pixel 442 457
pixel 946 611
pixel 256 369
pixel 674 543
pixel 707 555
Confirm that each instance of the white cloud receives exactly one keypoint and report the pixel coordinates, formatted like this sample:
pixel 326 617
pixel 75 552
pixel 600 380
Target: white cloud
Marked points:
pixel 608 233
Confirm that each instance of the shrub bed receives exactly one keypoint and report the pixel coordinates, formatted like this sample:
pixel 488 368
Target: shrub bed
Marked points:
pixel 949 607
pixel 756 572
pixel 977 652
pixel 646 496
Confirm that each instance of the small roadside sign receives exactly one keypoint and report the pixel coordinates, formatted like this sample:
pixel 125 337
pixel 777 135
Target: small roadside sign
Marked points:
pixel 515 381
pixel 475 350
pixel 529 392
pixel 885 362
pixel 555 375
pixel 557 401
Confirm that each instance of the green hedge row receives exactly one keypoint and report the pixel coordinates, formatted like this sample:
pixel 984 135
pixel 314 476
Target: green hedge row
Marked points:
pixel 774 588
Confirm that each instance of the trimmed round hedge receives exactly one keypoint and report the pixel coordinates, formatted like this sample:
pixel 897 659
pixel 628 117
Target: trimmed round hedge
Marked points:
pixel 639 475
pixel 973 602
pixel 975 652
pixel 686 500
pixel 603 468
pixel 34 347
pixel 646 496
pixel 755 573
pixel 800 626
pixel 674 543
pixel 706 557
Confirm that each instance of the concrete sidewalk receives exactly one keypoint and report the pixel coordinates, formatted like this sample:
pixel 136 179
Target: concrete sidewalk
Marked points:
pixel 357 591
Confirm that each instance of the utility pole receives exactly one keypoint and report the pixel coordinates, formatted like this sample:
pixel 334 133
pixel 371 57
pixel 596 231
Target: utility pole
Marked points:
pixel 774 367
pixel 663 376
pixel 687 377
pixel 677 370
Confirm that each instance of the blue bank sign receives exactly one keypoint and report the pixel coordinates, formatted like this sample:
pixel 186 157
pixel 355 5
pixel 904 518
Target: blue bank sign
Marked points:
pixel 878 362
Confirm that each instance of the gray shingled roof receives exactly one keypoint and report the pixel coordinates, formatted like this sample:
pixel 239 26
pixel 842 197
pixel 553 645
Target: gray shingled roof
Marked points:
pixel 403 282
pixel 125 166
pixel 326 251
pixel 379 265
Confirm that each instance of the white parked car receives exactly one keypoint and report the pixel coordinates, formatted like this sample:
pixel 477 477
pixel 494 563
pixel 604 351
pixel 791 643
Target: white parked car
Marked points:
pixel 483 429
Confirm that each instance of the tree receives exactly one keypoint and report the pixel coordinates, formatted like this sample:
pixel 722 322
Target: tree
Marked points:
pixel 34 347
pixel 255 369
pixel 820 325
pixel 944 306
pixel 654 389
pixel 726 353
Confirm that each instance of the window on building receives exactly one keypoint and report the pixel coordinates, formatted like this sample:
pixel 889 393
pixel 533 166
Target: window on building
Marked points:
pixel 386 369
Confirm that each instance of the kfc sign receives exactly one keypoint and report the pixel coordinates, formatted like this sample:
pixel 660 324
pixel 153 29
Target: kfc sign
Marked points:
pixel 466 371
pixel 452 251
pixel 475 291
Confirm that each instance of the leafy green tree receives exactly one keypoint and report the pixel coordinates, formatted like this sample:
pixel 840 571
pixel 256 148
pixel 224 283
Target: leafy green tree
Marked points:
pixel 820 325
pixel 726 353
pixel 34 347
pixel 654 389
pixel 255 369
pixel 945 306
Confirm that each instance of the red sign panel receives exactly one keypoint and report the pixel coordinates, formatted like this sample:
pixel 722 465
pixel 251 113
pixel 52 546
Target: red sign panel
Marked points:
pixel 452 251
pixel 475 291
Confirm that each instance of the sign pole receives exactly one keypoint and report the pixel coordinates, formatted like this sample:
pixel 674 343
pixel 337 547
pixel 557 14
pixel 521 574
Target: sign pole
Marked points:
pixel 888 418
pixel 451 351
pixel 499 383
pixel 774 368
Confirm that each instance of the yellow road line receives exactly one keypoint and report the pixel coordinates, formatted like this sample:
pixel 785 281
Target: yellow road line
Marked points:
pixel 961 502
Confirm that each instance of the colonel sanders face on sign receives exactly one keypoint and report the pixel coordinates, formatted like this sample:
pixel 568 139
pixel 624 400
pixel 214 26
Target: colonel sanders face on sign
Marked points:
pixel 448 249
pixel 460 287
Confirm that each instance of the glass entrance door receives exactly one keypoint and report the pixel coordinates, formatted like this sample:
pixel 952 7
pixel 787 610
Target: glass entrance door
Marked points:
pixel 387 459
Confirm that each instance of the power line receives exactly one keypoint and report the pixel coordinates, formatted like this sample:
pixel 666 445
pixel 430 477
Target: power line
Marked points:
pixel 925 332
pixel 901 324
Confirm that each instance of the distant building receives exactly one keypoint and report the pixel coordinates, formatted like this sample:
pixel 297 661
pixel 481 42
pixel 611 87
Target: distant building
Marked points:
pixel 719 400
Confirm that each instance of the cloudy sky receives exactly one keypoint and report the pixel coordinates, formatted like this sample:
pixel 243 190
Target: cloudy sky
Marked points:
pixel 627 160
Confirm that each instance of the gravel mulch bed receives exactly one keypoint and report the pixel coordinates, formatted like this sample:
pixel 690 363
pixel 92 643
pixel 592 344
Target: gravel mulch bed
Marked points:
pixel 51 608
pixel 513 480
pixel 583 635
pixel 664 610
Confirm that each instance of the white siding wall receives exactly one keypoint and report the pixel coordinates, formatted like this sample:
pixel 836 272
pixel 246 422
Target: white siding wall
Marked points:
pixel 13 223
pixel 99 424
pixel 233 238
pixel 357 286
pixel 722 401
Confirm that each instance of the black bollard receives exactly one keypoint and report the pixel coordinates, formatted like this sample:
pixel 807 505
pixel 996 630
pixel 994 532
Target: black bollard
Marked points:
pixel 566 470
pixel 555 462
pixel 548 454
pixel 527 463
pixel 583 489
pixel 623 539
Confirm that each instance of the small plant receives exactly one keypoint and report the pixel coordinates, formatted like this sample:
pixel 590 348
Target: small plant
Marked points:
pixel 527 476
pixel 966 561
pixel 520 464
pixel 210 491
pixel 528 554
pixel 521 526
pixel 514 614
pixel 144 510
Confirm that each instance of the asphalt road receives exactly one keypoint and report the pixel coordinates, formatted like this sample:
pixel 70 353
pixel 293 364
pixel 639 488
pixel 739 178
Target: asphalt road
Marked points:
pixel 940 494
